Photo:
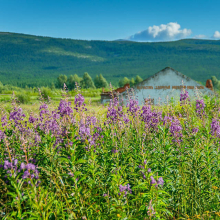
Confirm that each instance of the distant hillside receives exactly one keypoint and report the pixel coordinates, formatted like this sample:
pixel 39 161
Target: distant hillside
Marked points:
pixel 39 60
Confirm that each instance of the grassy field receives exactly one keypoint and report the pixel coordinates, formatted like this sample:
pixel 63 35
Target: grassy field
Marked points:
pixel 86 161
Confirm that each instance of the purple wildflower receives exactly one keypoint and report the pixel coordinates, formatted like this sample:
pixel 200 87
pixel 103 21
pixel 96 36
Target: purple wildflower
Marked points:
pixel 195 130
pixel 160 181
pixel 200 105
pixel 65 108
pixel 22 166
pixel 215 128
pixel 175 130
pixel 7 165
pixel 30 166
pixel 184 96
pixel 133 107
pixel 153 181
pixel 32 119
pixel 70 174
pixel 2 134
pixel 125 189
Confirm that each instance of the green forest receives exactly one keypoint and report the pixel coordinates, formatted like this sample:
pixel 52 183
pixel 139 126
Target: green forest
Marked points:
pixel 33 61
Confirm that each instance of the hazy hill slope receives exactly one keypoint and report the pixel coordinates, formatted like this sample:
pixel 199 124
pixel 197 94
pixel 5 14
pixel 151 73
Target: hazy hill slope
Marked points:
pixel 39 60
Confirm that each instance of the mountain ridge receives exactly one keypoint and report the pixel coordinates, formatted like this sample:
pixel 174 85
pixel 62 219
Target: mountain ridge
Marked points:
pixel 38 60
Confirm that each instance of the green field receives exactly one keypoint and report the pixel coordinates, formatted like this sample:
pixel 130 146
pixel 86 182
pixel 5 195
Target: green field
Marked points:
pixel 63 160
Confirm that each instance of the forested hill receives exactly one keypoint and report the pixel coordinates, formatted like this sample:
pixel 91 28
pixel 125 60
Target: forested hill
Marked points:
pixel 39 60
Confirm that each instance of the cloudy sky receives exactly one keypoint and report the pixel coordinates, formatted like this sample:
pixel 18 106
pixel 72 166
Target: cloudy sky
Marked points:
pixel 139 20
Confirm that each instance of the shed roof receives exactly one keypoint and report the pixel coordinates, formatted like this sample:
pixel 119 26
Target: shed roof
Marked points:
pixel 163 70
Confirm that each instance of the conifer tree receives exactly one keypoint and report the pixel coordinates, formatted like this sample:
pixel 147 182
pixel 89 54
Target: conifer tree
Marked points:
pixel 87 82
pixel 124 81
pixel 103 82
pixel 215 82
pixel 100 81
pixel 132 82
pixel 97 82
pixel 138 79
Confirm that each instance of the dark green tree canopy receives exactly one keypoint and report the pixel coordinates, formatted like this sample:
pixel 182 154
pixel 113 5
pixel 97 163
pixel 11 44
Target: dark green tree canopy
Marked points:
pixel 215 82
pixel 96 81
pixel 61 80
pixel 124 81
pixel 103 81
pixel 132 82
pixel 87 81
pixel 138 79
pixel 72 80
pixel 1 87
pixel 100 82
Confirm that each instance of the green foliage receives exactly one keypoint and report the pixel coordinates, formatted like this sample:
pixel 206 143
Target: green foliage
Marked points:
pixel 61 79
pixel 123 81
pixel 215 82
pixel 87 81
pixel 43 59
pixel 52 86
pixel 46 93
pixel 76 178
pixel 23 98
pixel 100 82
pixel 72 80
pixel 138 79
pixel 88 93
pixel 96 81
pixel 132 82
pixel 1 87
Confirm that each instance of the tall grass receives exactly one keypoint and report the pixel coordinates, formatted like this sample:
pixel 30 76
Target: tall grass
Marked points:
pixel 149 162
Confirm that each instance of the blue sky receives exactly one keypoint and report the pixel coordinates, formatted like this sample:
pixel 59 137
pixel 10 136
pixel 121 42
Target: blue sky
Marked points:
pixel 139 20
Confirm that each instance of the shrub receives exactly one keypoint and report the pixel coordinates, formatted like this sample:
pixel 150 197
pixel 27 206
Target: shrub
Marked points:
pixel 23 98
pixel 45 93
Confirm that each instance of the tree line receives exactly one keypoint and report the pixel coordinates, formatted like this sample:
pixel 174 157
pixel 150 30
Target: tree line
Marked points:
pixel 215 82
pixel 86 81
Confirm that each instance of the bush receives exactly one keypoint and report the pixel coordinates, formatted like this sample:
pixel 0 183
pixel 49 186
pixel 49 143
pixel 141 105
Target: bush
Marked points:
pixel 23 98
pixel 45 93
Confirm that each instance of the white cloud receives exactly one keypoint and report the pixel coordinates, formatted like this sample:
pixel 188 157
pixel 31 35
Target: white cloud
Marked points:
pixel 217 35
pixel 164 32
pixel 200 36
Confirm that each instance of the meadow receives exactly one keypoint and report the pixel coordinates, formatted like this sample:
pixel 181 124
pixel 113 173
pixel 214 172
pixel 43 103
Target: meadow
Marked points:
pixel 77 160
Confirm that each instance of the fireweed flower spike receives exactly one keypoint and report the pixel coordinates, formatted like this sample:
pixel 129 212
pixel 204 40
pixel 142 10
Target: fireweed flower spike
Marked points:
pixel 2 134
pixel 184 97
pixel 79 102
pixel 125 189
pixel 200 105
pixel 175 130
pixel 153 181
pixel 65 108
pixel 195 130
pixel 160 181
pixel 133 107
pixel 215 128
